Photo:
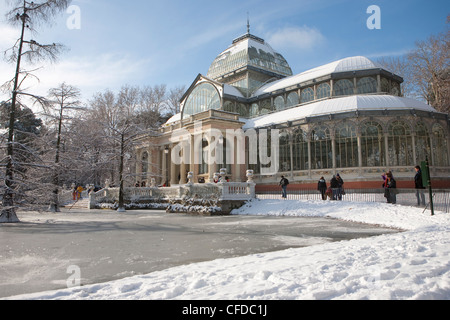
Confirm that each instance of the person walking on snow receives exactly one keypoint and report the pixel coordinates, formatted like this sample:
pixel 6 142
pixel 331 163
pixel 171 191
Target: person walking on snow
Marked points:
pixel 419 186
pixel 284 183
pixel 322 187
pixel 390 187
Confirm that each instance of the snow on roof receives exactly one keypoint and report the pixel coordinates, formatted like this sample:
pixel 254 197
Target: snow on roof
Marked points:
pixel 347 64
pixel 338 105
pixel 174 119
pixel 232 91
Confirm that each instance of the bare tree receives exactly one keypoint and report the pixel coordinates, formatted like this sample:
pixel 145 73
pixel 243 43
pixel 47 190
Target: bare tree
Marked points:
pixel 63 100
pixel 117 116
pixel 430 69
pixel 26 15
pixel 400 66
pixel 174 98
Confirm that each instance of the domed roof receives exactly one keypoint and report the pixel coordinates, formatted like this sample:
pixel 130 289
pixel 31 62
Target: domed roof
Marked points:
pixel 344 65
pixel 249 50
pixel 339 105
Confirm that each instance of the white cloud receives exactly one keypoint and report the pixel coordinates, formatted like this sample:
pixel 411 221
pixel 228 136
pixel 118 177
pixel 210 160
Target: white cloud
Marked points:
pixel 8 36
pixel 89 74
pixel 297 38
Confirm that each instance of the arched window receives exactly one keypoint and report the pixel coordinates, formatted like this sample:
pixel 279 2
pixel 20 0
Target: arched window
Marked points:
pixel 307 95
pixel 254 110
pixel 346 146
pixel 285 152
pixel 292 100
pixel 400 144
pixel 265 107
pixel 300 150
pixel 440 146
pixel 321 150
pixel 229 106
pixel 422 141
pixel 372 145
pixel 367 85
pixel 395 90
pixel 343 88
pixel 204 97
pixel 279 103
pixel 323 91
pixel 385 85
pixel 242 110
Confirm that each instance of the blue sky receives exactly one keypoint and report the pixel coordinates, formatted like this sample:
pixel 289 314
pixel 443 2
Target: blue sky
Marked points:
pixel 169 42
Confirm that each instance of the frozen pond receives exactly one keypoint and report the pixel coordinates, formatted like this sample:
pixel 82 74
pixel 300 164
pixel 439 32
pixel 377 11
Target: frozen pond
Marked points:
pixel 36 254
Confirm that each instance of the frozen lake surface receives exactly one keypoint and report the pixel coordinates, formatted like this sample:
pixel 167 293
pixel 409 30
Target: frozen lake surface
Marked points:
pixel 36 254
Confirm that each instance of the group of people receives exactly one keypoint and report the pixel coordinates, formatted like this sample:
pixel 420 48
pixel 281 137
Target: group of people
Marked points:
pixel 76 192
pixel 391 191
pixel 334 192
pixel 336 189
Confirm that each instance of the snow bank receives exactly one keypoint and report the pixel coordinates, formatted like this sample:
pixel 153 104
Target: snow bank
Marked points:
pixel 414 264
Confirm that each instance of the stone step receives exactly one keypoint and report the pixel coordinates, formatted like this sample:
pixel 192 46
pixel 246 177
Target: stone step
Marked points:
pixel 81 204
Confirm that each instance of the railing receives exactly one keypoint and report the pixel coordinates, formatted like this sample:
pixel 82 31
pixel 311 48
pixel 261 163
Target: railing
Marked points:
pixel 221 191
pixel 441 197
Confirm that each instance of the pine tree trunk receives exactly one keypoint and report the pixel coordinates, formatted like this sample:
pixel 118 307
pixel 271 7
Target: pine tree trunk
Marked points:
pixel 8 213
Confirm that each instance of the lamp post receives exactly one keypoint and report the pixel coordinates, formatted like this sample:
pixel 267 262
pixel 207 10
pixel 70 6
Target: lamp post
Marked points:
pixel 426 176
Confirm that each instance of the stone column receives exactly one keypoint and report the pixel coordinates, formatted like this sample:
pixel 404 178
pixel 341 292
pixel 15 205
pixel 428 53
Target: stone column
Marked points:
pixel 183 169
pixel 164 175
pixel 173 170
pixel 138 165
pixel 156 170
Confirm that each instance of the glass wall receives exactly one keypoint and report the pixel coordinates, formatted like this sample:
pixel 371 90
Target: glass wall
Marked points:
pixel 343 87
pixel 204 97
pixel 422 142
pixel 372 145
pixel 321 150
pixel 292 100
pixel 346 146
pixel 367 85
pixel 279 103
pixel 242 110
pixel 285 152
pixel 254 110
pixel 323 91
pixel 307 95
pixel 400 152
pixel 300 150
pixel 440 147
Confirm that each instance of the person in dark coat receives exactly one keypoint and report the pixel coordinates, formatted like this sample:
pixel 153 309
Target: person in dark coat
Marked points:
pixel 340 187
pixel 284 183
pixel 322 187
pixel 390 187
pixel 420 194
pixel 334 185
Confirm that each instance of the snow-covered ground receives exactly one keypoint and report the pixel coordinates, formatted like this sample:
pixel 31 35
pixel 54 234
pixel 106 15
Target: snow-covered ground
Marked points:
pixel 414 264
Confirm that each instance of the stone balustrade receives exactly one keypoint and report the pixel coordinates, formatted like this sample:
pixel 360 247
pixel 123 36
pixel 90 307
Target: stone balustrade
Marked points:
pixel 223 191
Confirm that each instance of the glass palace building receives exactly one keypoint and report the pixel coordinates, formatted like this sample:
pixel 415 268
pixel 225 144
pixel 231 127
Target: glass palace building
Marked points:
pixel 345 117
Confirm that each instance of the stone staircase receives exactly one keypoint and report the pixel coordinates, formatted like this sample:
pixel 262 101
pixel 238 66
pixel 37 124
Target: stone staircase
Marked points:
pixel 80 204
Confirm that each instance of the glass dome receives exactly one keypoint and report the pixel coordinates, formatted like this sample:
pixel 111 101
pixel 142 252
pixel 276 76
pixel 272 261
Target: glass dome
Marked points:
pixel 249 50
